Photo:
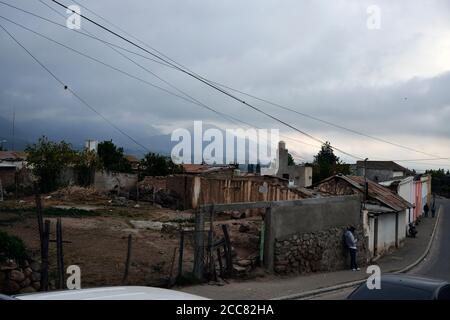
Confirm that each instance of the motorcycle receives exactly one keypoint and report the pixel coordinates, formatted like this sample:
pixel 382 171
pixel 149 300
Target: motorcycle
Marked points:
pixel 412 231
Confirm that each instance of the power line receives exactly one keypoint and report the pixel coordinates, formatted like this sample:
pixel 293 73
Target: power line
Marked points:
pixel 261 99
pixel 113 46
pixel 99 61
pixel 71 91
pixel 191 99
pixel 172 66
pixel 204 81
pixel 84 34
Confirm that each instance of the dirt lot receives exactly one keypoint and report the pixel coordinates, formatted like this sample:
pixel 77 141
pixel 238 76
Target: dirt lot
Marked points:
pixel 97 228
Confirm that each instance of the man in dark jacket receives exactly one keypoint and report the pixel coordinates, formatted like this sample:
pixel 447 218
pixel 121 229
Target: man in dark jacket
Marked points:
pixel 350 241
pixel 426 208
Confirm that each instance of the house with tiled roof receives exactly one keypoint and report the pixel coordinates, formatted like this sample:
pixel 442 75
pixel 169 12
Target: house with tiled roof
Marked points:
pixel 379 171
pixel 384 213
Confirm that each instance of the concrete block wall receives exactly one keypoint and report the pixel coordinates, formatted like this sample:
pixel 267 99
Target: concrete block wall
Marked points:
pixel 105 181
pixel 306 235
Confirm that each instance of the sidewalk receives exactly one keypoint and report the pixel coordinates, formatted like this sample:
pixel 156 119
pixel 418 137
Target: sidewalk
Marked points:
pixel 270 286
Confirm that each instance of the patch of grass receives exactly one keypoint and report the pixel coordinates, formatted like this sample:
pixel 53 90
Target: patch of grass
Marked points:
pixel 72 212
pixel 53 212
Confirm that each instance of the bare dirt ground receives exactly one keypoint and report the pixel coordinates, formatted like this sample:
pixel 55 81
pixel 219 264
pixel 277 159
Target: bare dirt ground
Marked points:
pixel 96 228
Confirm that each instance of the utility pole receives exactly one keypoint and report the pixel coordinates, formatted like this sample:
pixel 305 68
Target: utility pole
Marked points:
pixel 13 129
pixel 366 186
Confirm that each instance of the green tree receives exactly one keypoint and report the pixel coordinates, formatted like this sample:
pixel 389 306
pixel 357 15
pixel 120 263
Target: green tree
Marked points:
pixel 47 159
pixel 112 158
pixel 290 160
pixel 85 163
pixel 326 164
pixel 155 164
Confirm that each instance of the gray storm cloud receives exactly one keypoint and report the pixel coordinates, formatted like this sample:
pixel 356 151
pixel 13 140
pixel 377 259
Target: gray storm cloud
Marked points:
pixel 317 57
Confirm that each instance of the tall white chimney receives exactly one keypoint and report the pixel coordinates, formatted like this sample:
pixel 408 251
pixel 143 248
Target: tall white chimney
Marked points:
pixel 91 145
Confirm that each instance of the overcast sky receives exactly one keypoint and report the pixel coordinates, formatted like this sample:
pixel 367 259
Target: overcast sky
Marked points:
pixel 318 57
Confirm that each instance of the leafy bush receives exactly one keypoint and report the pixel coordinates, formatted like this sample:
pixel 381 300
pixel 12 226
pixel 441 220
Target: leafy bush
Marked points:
pixel 11 247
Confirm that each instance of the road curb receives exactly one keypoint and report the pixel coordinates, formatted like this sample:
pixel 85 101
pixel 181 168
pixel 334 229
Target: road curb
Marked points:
pixel 316 292
pixel 427 250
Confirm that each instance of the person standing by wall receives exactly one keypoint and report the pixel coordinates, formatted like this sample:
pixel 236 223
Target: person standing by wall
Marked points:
pixel 426 208
pixel 350 241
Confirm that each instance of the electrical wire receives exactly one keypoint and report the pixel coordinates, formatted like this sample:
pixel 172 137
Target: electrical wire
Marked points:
pixel 66 87
pixel 258 98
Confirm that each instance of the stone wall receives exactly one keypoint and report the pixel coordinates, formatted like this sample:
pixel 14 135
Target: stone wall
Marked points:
pixel 19 278
pixel 316 252
pixel 114 181
pixel 306 235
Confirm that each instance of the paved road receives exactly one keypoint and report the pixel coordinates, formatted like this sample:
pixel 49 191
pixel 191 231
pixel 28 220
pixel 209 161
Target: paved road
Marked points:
pixel 437 263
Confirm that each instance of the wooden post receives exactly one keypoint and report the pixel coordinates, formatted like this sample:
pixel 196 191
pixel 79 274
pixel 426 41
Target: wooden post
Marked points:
pixel 127 262
pixel 59 253
pixel 137 184
pixel 16 184
pixel 199 244
pixel 228 249
pixel 180 256
pixel 169 283
pixel 39 214
pixel 211 264
pixel 219 257
pixel 44 256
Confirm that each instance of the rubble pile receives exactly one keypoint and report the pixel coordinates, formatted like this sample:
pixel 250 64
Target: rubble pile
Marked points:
pixel 75 193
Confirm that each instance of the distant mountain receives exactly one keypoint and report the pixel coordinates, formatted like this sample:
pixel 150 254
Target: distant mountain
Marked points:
pixel 27 133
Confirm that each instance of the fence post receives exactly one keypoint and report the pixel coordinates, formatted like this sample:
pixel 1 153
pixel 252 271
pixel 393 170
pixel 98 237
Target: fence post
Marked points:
pixel 127 262
pixel 39 215
pixel 199 244
pixel 44 256
pixel 59 253
pixel 180 256
pixel 228 254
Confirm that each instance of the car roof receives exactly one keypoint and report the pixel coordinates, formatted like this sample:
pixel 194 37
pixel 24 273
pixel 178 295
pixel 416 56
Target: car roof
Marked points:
pixel 418 282
pixel 112 293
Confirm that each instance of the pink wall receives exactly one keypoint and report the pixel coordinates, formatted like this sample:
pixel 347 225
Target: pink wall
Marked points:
pixel 418 199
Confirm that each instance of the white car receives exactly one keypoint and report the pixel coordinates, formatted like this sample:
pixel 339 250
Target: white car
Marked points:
pixel 110 293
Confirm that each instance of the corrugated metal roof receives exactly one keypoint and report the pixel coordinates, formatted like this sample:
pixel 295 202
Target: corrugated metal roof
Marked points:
pixel 203 168
pixel 376 191
pixel 387 165
pixel 13 155
pixel 131 158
